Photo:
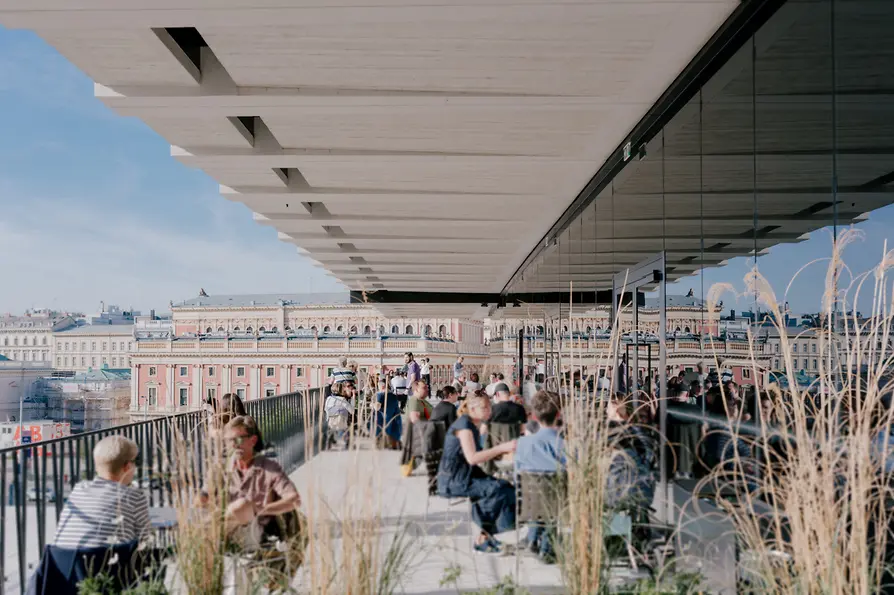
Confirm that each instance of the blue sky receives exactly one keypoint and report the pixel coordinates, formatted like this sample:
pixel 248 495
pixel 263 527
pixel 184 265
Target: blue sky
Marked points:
pixel 92 207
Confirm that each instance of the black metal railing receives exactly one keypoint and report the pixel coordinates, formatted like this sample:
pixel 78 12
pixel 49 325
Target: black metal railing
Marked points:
pixel 35 478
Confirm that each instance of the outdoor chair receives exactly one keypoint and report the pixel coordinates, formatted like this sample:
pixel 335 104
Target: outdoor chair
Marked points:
pixel 538 499
pixel 498 434
pixel 425 440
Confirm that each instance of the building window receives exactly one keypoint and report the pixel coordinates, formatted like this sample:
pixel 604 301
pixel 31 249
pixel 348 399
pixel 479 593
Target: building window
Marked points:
pixel 805 364
pixel 105 360
pixel 813 347
pixel 326 329
pixel 105 346
pixel 269 392
pixel 235 329
pixel 93 346
pixel 58 361
pixel 66 361
pixel 183 370
pixel 299 372
pixel 274 330
pixel 814 364
pixel 248 330
pixel 83 345
pixel 114 346
pixel 184 397
pixel 269 372
pixel 15 341
pixel 211 393
pixel 83 361
pixel 746 373
pixel 409 329
pixel 395 329
pixel 220 329
pixel 153 395
pixel 262 330
pixel 114 362
pixel 329 372
pixel 152 370
pixel 93 361
pixel 208 331
pixel 776 364
pixel 240 372
pixel 794 348
pixel 65 347
pixel 129 345
pixel 43 341
pixel 211 371
pixel 240 392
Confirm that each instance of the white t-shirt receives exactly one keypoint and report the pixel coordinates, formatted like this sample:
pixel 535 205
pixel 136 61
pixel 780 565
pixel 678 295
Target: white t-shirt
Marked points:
pixel 471 387
pixel 399 385
pixel 491 389
pixel 426 369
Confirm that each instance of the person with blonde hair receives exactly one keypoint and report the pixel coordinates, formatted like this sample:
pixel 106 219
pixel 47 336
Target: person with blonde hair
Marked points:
pixel 106 510
pixel 460 474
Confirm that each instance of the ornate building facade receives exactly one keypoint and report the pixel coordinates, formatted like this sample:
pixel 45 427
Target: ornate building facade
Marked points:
pixel 583 342
pixel 264 345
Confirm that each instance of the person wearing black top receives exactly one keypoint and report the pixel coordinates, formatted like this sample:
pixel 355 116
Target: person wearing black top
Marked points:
pixel 445 411
pixel 506 411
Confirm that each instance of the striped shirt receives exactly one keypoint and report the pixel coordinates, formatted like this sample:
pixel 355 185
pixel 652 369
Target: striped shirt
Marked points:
pixel 101 512
pixel 344 375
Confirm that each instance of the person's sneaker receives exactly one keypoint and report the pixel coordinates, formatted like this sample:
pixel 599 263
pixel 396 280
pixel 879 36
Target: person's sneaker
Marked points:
pixel 489 546
pixel 548 558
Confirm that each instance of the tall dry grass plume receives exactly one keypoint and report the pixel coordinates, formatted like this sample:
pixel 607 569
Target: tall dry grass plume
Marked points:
pixel 813 511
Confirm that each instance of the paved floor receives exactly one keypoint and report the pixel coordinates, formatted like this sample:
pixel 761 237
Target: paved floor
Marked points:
pixel 367 483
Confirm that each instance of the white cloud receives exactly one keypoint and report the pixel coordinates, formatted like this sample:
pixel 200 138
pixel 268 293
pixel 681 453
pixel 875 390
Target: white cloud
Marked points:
pixel 66 254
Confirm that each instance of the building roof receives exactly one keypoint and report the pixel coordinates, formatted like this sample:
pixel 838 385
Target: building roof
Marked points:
pixel 265 299
pixel 99 329
pixel 30 322
pixel 96 375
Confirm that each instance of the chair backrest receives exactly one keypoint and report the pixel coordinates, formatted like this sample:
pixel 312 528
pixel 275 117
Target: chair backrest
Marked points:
pixel 540 496
pixel 427 438
pixel 500 433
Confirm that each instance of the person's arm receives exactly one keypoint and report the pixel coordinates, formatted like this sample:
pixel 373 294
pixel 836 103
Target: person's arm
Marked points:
pixel 414 410
pixel 475 456
pixel 289 498
pixel 139 515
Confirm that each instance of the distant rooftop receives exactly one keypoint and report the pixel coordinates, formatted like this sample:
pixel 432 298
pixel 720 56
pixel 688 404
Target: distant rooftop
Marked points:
pixel 38 321
pixel 100 375
pixel 265 299
pixel 99 329
pixel 677 301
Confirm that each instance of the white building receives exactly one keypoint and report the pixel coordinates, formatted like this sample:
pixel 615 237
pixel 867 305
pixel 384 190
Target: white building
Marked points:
pixel 29 338
pixel 19 385
pixel 113 315
pixel 93 346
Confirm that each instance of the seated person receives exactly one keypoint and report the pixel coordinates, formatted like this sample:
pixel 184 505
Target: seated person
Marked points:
pixel 418 407
pixel 543 452
pixel 388 419
pixel 460 476
pixel 261 496
pixel 471 385
pixel 339 410
pixel 445 410
pixel 106 510
pixel 505 410
pixel 631 478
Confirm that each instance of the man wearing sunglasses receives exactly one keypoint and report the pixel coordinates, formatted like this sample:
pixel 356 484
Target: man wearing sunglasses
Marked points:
pixel 262 499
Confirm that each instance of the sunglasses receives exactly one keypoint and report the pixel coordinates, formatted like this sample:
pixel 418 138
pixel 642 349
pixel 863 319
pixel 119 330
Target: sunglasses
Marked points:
pixel 238 440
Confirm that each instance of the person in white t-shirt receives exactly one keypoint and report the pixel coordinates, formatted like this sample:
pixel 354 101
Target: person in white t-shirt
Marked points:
pixel 399 388
pixel 471 385
pixel 425 371
pixel 491 388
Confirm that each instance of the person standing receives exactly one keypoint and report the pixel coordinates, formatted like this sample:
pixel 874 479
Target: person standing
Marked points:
pixel 458 368
pixel 399 386
pixel 425 370
pixel 389 424
pixel 414 373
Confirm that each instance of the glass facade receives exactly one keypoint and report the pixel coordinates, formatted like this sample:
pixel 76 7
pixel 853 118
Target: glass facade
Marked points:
pixel 794 133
